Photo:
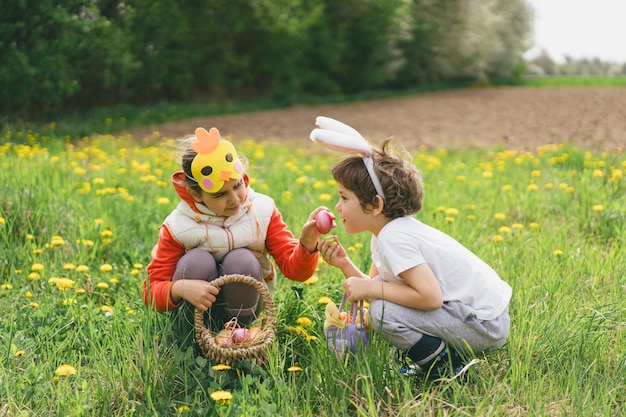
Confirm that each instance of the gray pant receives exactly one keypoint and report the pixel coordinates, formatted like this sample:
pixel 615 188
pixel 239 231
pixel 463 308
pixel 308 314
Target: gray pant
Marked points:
pixel 455 323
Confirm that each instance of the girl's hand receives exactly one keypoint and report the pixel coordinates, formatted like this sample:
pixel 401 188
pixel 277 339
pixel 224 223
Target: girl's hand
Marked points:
pixel 310 234
pixel 198 292
pixel 333 253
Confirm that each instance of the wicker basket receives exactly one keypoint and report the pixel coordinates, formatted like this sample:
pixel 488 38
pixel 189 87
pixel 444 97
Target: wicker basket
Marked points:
pixel 254 350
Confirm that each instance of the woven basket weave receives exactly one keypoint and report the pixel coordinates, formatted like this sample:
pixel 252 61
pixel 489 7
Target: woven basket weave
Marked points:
pixel 255 350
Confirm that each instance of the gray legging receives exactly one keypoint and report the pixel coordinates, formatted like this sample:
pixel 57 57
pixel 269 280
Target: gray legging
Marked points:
pixel 234 300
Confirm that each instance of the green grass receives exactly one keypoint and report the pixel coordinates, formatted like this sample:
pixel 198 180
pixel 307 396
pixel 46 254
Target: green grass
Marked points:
pixel 552 222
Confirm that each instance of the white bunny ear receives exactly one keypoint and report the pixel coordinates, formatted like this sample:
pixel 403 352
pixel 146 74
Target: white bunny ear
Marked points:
pixel 339 136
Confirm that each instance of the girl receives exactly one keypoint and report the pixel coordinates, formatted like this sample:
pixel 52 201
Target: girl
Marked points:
pixel 221 226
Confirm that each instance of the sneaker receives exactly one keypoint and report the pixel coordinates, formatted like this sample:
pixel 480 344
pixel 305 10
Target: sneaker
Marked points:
pixel 448 363
pixel 406 367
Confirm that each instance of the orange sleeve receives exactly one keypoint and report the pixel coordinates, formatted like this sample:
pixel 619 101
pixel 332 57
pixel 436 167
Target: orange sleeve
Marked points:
pixel 165 256
pixel 294 260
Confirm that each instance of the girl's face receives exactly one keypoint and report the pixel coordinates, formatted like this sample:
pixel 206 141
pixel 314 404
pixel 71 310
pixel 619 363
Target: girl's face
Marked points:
pixel 355 220
pixel 227 201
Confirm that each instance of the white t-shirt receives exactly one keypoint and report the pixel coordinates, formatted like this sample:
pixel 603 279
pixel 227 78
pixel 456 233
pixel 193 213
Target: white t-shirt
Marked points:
pixel 406 242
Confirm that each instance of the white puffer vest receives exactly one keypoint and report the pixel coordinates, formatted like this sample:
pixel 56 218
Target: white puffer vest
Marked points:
pixel 219 235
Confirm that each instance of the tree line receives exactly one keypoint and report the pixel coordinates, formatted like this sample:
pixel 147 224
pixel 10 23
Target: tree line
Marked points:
pixel 69 55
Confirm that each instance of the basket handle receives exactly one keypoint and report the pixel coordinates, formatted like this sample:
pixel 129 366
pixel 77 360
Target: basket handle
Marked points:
pixel 268 303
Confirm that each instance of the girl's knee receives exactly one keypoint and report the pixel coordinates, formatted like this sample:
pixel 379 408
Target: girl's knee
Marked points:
pixel 196 264
pixel 242 261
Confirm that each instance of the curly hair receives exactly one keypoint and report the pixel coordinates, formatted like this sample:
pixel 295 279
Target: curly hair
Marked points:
pixel 401 181
pixel 186 156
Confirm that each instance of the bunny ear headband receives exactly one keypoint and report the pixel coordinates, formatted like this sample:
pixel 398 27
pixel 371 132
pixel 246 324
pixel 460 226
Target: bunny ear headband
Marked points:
pixel 216 161
pixel 339 136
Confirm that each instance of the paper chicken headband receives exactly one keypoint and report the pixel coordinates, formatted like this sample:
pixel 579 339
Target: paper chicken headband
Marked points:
pixel 339 136
pixel 216 161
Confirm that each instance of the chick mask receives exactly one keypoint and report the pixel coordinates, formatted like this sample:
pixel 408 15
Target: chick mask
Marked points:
pixel 216 161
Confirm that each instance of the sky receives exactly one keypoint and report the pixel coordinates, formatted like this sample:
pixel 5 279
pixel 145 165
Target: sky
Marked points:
pixel 580 29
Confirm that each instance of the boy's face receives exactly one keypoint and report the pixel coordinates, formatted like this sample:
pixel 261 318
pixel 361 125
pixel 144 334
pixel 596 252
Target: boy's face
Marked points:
pixel 355 219
pixel 227 201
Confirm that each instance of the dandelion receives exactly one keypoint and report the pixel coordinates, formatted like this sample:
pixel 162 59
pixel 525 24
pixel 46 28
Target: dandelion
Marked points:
pixel 497 238
pixel 106 234
pixel 287 195
pixel 505 230
pixel 311 280
pixel 471 217
pixel 221 367
pixel 137 266
pixel 163 201
pixel 302 180
pixel 535 173
pixel 507 187
pixel 108 310
pixel 294 369
pixel 499 216
pixel 82 268
pixel 114 281
pixel 325 197
pixel 452 211
pixel 6 287
pixel 68 266
pixel 65 370
pixel 37 267
pixel 28 294
pixel 221 397
pixel 324 300
pixel 34 276
pixel 304 321
pixel 2 221
pixel 19 353
pixel 449 219
pixel 102 285
pixel 597 208
pixel 318 185
pixel 461 178
pixel 37 251
pixel 598 173
pixel 487 174
pixel 517 226
pixel 57 241
pixel 183 408
pixel 557 252
pixel 549 186
pixel 533 225
pixel 532 187
pixel 62 284
pixel 106 268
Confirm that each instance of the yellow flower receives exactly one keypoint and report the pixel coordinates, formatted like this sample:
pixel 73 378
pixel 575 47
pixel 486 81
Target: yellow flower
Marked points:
pixel 163 201
pixel 533 225
pixel 2 220
pixel 557 252
pixel 304 321
pixel 487 174
pixel 535 173
pixel 497 238
pixel 82 268
pixel 6 286
pixel 325 197
pixel 461 178
pixel 507 187
pixel 69 266
pixel 517 226
pixel 65 370
pixel 499 216
pixel 57 241
pixel 318 185
pixel 532 187
pixel 106 268
pixel 34 276
pixel 471 217
pixel 452 211
pixel 505 230
pixel 107 309
pixel 294 369
pixel 221 367
pixel 183 408
pixel 18 353
pixel 28 294
pixel 311 280
pixel 598 208
pixel 102 285
pixel 221 397
pixel 36 267
pixel 324 300
pixel 114 281
pixel 61 283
